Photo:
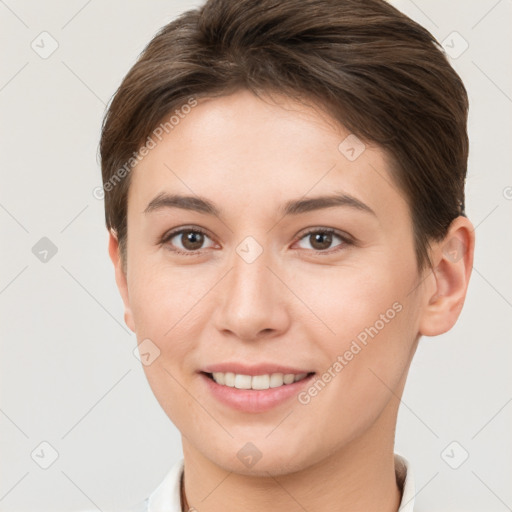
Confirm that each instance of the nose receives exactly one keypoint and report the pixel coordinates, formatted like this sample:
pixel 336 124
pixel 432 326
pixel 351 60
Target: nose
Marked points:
pixel 254 301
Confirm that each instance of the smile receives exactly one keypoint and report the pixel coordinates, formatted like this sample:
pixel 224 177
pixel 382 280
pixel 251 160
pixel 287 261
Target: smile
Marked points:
pixel 256 382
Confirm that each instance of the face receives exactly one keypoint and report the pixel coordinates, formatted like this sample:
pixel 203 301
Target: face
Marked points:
pixel 261 279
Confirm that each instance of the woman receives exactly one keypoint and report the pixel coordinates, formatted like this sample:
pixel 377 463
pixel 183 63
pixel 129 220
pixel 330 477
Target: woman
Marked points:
pixel 284 192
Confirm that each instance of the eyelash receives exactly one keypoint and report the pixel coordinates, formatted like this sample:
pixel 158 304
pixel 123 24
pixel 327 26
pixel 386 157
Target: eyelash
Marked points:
pixel 346 241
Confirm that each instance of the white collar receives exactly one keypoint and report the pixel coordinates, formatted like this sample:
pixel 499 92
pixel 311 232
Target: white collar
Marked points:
pixel 405 479
pixel 166 497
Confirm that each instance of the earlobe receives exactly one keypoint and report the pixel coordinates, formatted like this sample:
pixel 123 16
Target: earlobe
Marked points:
pixel 121 280
pixel 452 264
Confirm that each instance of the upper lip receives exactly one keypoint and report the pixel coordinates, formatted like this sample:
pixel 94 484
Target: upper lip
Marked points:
pixel 252 369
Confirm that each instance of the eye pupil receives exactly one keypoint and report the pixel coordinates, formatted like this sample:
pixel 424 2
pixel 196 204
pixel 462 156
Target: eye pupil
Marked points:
pixel 324 240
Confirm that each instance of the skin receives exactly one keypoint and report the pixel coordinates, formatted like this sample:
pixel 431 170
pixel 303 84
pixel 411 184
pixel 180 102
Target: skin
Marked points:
pixel 249 155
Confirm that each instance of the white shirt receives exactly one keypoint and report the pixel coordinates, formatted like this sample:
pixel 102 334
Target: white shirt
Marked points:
pixel 166 497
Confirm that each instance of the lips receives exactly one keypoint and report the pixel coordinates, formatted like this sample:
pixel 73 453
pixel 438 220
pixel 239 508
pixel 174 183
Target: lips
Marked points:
pixel 256 399
pixel 254 388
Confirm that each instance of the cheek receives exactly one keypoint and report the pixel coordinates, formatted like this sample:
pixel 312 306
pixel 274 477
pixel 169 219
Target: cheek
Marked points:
pixel 168 310
pixel 373 317
pixel 164 299
pixel 350 301
pixel 173 396
pixel 366 331
pixel 165 309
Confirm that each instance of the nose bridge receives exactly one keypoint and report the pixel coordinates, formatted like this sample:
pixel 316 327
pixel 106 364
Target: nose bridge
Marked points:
pixel 251 299
pixel 251 280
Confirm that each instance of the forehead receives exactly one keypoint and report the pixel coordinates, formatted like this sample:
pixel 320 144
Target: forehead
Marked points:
pixel 242 150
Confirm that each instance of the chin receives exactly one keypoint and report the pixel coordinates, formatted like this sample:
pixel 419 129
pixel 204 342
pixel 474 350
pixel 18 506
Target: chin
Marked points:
pixel 263 457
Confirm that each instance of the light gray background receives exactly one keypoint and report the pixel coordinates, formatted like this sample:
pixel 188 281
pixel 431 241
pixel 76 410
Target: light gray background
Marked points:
pixel 68 373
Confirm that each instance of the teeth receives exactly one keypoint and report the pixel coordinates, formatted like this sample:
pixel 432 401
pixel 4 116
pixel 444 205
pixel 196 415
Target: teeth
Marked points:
pixel 240 381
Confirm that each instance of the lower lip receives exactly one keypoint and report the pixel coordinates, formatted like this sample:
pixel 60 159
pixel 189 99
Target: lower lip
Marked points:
pixel 252 400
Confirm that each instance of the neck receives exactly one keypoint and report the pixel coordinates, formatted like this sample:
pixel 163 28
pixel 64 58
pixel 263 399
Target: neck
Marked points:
pixel 359 476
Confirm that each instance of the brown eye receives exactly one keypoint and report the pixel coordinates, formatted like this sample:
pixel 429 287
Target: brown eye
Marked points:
pixel 321 240
pixel 192 240
pixel 186 240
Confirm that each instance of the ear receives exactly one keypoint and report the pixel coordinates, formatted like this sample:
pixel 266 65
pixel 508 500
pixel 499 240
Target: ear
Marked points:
pixel 452 261
pixel 122 283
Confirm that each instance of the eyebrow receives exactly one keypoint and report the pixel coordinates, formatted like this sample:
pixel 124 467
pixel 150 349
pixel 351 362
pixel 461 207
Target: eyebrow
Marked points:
pixel 293 207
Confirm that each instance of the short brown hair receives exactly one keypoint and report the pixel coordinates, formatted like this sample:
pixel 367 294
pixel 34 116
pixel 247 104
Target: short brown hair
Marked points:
pixel 374 70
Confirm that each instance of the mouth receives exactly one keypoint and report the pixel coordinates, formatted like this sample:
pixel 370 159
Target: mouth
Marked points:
pixel 256 382
pixel 254 393
pixel 254 388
